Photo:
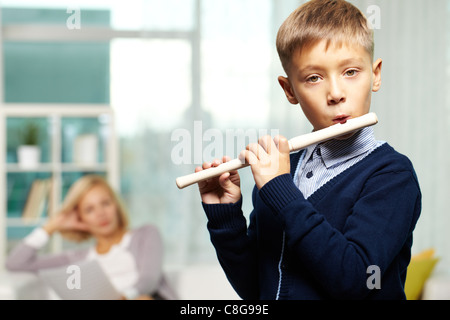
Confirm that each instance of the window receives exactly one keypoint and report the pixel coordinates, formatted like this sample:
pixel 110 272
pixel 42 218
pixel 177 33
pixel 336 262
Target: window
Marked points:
pixel 165 65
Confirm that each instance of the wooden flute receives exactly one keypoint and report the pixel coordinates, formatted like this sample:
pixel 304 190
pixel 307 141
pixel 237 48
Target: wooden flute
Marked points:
pixel 295 144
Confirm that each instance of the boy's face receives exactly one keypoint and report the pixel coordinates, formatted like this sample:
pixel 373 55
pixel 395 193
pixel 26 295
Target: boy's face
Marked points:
pixel 332 84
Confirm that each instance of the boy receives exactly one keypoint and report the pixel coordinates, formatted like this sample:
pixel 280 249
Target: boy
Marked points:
pixel 333 221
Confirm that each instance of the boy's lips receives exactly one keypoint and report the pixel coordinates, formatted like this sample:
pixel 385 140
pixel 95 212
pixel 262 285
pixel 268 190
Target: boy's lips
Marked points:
pixel 342 118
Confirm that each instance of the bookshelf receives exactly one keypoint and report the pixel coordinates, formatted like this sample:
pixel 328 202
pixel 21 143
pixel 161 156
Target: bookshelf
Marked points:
pixel 57 161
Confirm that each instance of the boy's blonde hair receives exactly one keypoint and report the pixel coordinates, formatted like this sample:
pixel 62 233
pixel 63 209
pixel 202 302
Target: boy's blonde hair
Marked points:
pixel 335 21
pixel 77 191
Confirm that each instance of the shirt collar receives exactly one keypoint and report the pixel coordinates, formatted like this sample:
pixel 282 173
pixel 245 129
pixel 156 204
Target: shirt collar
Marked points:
pixel 336 151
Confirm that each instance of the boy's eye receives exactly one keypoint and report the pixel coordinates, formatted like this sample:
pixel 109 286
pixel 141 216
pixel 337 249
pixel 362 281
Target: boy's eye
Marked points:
pixel 313 79
pixel 350 73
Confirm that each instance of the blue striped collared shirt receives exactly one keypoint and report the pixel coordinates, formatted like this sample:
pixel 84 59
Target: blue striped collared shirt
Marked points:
pixel 322 162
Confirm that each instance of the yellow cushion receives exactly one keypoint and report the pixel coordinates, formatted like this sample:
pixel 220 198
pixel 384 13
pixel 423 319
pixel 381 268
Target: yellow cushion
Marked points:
pixel 419 270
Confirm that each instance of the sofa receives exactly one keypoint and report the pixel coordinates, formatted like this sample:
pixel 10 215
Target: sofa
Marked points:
pixel 197 282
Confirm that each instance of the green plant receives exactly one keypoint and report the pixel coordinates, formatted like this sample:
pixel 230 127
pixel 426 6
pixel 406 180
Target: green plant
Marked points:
pixel 30 134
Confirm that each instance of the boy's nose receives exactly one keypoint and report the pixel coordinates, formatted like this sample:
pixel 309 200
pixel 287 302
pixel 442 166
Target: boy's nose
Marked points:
pixel 336 93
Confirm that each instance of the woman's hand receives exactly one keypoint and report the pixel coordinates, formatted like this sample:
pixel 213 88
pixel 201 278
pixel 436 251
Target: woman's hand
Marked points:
pixel 220 190
pixel 65 221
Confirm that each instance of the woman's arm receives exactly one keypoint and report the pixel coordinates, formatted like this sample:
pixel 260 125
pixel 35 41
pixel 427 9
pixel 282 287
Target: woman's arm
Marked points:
pixel 24 257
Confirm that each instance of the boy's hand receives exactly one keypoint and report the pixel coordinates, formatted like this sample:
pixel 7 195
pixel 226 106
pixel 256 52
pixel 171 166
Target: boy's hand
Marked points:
pixel 220 190
pixel 268 159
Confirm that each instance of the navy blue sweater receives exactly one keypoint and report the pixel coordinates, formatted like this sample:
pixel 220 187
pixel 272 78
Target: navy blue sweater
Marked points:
pixel 322 247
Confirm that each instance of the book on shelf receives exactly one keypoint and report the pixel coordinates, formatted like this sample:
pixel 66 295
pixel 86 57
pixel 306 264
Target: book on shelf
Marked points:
pixel 37 200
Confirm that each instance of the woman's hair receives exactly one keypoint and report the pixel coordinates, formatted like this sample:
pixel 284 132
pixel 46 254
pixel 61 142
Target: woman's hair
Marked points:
pixel 72 200
pixel 336 21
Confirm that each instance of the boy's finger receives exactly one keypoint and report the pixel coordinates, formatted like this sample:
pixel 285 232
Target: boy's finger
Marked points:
pixel 259 153
pixel 282 144
pixel 216 163
pixel 266 142
pixel 225 159
pixel 253 147
pixel 226 183
pixel 248 156
pixel 206 165
pixel 223 179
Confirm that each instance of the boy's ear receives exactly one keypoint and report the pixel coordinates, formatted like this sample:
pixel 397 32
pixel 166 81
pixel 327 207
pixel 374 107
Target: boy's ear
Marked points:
pixel 286 85
pixel 377 75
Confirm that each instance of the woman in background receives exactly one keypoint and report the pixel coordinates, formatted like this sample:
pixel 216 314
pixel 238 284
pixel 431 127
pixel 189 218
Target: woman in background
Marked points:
pixel 132 259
